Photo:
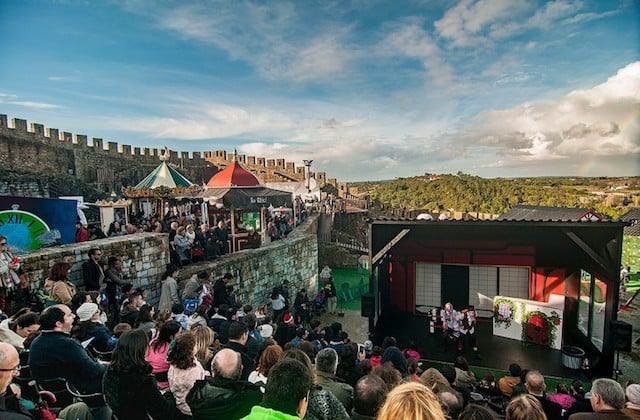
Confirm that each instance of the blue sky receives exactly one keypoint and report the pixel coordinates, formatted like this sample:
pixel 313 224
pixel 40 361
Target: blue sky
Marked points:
pixel 367 89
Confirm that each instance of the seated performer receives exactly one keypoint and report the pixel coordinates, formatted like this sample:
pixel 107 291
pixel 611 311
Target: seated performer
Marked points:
pixel 467 327
pixel 451 326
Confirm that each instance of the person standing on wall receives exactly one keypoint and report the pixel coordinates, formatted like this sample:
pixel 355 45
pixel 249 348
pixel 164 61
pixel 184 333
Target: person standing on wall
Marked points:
pixel 92 273
pixel 115 278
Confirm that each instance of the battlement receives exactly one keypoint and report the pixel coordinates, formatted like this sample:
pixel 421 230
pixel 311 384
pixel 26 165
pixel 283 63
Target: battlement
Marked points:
pixel 268 169
pixel 21 129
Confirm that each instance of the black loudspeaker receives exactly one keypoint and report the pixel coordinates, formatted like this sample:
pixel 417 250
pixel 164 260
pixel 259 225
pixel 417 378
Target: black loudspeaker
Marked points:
pixel 367 305
pixel 621 335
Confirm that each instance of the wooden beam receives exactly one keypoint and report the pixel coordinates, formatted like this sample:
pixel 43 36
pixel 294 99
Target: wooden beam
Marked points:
pixel 586 248
pixel 389 245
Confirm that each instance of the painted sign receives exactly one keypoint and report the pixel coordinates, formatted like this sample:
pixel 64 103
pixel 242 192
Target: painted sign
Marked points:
pixel 32 223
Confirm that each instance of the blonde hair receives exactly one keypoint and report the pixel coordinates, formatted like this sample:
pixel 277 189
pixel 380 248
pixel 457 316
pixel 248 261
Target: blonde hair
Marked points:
pixel 204 340
pixel 411 401
pixel 525 407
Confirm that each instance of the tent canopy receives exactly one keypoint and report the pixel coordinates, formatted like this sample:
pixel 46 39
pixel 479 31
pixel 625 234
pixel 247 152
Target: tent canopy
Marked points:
pixel 247 198
pixel 164 176
pixel 233 175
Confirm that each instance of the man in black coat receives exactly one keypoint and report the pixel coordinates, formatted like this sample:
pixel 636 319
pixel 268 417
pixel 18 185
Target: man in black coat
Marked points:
pixel 10 407
pixel 238 336
pixel 92 273
pixel 55 354
pixel 536 386
pixel 220 291
pixel 224 395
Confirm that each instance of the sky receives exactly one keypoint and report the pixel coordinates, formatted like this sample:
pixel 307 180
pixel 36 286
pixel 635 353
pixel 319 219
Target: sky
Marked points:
pixel 367 89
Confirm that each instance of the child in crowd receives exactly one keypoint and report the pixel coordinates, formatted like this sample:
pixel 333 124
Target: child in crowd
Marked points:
pixel 179 316
pixel 562 396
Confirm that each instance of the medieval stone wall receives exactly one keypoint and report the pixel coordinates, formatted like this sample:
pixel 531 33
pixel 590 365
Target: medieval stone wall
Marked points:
pixel 145 256
pixel 34 148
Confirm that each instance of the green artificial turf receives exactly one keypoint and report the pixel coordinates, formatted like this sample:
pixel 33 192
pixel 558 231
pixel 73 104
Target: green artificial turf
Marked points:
pixel 350 284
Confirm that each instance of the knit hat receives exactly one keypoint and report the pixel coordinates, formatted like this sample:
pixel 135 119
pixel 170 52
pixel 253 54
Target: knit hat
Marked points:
pixel 394 355
pixel 86 311
pixel 266 330
pixel 368 345
pixel 633 393
pixel 287 318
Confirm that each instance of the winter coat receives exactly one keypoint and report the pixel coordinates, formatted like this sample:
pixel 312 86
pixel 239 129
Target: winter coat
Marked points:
pixel 168 295
pixel 222 398
pixel 135 395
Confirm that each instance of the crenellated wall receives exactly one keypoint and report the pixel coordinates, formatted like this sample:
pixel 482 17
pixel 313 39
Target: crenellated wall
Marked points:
pixel 34 148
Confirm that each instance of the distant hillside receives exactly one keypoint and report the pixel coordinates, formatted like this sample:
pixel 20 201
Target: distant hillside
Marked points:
pixel 461 192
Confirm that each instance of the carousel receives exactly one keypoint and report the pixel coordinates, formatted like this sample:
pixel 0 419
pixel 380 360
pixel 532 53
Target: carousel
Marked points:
pixel 152 195
pixel 237 197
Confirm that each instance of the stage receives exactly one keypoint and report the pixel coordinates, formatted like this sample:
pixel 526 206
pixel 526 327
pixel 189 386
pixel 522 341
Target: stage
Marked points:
pixel 496 353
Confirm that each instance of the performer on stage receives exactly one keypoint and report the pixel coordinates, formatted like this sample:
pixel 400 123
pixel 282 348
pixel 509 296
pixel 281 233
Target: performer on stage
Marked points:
pixel 467 326
pixel 451 326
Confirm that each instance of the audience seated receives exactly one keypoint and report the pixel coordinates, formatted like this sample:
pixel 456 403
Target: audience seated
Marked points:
pixel 411 400
pixel 534 382
pixel 520 388
pixel 607 400
pixel 55 354
pixel 223 395
pixel 507 382
pixel 394 355
pixel 632 406
pixel 369 394
pixel 129 387
pixel 268 358
pixel 89 327
pixel 129 312
pixel 10 405
pixel 326 365
pixel 238 336
pixel 322 404
pixel 158 350
pixel 204 344
pixel 287 393
pixel 582 404
pixel 390 375
pixel 16 330
pixel 477 412
pixel 525 407
pixel 562 396
pixel 464 377
pixel 184 370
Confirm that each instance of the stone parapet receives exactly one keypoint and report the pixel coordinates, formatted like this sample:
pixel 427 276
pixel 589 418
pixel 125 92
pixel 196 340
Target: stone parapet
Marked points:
pixel 145 256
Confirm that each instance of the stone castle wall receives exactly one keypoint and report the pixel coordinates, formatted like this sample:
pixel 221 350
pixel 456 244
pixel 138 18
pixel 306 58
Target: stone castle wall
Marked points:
pixel 145 256
pixel 34 148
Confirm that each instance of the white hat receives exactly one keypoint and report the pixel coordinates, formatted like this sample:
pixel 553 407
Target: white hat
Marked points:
pixel 266 330
pixel 86 311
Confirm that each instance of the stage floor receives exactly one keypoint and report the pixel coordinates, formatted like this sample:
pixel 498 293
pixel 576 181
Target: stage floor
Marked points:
pixel 495 352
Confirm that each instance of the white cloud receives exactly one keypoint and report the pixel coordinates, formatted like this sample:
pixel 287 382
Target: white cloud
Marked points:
pixel 206 120
pixel 465 24
pixel 276 39
pixel 480 22
pixel 11 99
pixel 601 121
pixel 411 40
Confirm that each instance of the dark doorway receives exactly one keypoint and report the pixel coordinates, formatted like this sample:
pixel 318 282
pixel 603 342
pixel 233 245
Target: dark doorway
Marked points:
pixel 455 285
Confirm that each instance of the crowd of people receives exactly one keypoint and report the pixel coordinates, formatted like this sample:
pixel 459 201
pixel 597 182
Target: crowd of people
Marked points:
pixel 201 354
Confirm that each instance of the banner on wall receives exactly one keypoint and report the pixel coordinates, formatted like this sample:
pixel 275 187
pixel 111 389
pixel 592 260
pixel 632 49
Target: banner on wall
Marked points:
pixel 31 223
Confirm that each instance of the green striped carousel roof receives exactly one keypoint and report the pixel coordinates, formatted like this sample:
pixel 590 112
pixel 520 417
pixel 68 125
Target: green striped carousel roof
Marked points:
pixel 164 176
